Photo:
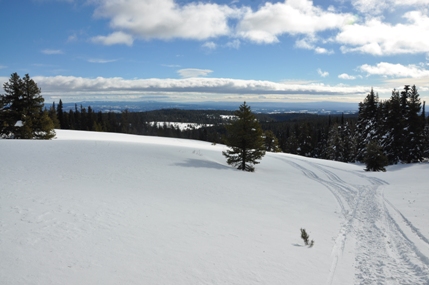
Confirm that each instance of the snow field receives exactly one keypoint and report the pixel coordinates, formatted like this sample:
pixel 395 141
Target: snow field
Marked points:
pixel 102 208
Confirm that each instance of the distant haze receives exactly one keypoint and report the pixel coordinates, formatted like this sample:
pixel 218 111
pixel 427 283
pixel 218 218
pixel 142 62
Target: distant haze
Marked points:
pixel 259 107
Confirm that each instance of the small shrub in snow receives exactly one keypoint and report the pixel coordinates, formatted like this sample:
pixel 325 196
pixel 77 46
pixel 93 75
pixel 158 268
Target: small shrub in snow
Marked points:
pixel 306 238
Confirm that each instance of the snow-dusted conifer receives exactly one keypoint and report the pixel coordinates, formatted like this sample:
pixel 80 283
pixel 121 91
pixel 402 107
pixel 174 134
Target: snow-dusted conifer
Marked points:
pixel 367 129
pixel 413 131
pixel 394 125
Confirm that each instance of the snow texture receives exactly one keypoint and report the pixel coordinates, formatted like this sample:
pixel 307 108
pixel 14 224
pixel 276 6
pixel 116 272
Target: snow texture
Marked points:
pixel 180 126
pixel 103 208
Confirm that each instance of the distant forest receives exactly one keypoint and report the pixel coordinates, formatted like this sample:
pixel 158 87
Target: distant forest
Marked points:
pixel 398 126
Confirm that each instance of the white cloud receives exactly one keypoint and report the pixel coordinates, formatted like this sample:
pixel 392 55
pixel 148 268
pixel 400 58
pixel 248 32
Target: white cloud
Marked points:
pixel 166 19
pixel 209 45
pixel 235 44
pixel 193 72
pixel 371 6
pixel 308 43
pixel 346 76
pixel 52 51
pixel 291 17
pixel 72 38
pixel 100 60
pixel 206 20
pixel 171 65
pixel 378 38
pixel 395 70
pixel 2 66
pixel 114 39
pixel 375 7
pixel 322 73
pixel 321 50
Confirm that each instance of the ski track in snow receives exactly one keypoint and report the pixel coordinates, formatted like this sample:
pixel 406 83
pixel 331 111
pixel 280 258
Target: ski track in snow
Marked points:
pixel 385 247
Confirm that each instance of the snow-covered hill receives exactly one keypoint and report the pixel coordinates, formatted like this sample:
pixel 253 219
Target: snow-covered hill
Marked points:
pixel 98 208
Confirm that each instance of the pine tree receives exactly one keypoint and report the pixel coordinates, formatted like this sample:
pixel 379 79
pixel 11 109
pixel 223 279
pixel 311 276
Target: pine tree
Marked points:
pixel 245 140
pixel 305 140
pixel 44 129
pixel 348 141
pixel 392 138
pixel 374 159
pixel 322 140
pixel 367 126
pixel 53 115
pixel 414 140
pixel 334 147
pixel 425 122
pixel 60 115
pixel 292 145
pixel 404 95
pixel 21 110
pixel 271 142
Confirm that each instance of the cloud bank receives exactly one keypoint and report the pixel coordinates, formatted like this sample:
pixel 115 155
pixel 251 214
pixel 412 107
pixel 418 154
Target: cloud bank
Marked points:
pixel 188 89
pixel 395 70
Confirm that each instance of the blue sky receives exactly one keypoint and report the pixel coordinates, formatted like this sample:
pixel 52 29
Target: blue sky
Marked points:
pixel 219 50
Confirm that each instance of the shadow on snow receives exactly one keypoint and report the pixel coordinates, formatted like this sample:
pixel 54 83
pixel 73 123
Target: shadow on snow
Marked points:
pixel 198 163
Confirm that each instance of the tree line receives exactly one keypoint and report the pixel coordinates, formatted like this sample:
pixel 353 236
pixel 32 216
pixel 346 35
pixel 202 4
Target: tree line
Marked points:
pixel 396 128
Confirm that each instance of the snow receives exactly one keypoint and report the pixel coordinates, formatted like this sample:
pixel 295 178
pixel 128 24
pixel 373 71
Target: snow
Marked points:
pixel 228 117
pixel 179 125
pixel 104 208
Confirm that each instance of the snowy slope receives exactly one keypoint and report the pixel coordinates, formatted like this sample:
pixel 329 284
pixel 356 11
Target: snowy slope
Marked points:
pixel 102 208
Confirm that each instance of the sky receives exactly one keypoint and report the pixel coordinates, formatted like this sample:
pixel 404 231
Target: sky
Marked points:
pixel 219 50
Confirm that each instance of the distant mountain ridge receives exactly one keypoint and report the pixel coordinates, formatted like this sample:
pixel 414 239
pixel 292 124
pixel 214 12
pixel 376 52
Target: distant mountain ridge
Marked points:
pixel 258 107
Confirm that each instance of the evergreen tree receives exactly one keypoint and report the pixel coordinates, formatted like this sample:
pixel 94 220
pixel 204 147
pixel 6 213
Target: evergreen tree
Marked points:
pixel 404 95
pixel 125 125
pixel 305 140
pixel 21 110
pixel 53 115
pixel 375 159
pixel 271 142
pixel 245 140
pixel 392 138
pixel 44 130
pixel 83 119
pixel 348 142
pixel 60 115
pixel 292 145
pixel 322 135
pixel 367 125
pixel 414 140
pixel 91 119
pixel 335 144
pixel 425 122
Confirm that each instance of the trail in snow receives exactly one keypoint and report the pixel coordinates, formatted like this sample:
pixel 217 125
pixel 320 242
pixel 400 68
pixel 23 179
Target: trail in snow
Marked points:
pixel 385 249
